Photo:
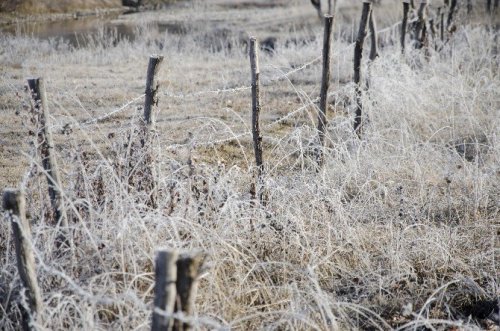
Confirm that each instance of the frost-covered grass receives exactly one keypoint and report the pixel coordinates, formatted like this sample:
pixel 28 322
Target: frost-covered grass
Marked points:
pixel 397 230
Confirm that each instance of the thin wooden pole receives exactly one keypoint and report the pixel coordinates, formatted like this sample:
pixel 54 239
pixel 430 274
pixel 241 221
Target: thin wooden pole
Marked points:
pixel 441 28
pixel 404 25
pixel 358 54
pixel 152 86
pixel 325 83
pixel 14 203
pixel 317 5
pixel 256 134
pixel 37 88
pixel 373 37
pixel 453 6
pixel 165 289
pixel 188 268
pixel 420 27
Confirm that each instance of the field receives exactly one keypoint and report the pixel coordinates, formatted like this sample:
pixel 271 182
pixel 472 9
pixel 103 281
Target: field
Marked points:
pixel 399 229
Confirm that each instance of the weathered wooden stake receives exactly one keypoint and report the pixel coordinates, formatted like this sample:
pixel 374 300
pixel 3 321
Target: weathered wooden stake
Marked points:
pixel 453 6
pixel 188 268
pixel 165 289
pixel 150 110
pixel 14 202
pixel 358 54
pixel 37 88
pixel 257 138
pixel 325 83
pixel 373 37
pixel 317 5
pixel 404 25
pixel 152 86
pixel 420 29
pixel 441 27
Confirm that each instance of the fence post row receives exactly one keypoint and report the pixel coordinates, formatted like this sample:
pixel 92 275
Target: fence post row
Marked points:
pixel 256 134
pixel 325 83
pixel 37 88
pixel 358 54
pixel 14 202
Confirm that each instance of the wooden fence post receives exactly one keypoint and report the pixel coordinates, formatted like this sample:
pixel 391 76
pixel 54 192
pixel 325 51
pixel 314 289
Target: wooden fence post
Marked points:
pixel 152 86
pixel 441 27
pixel 325 83
pixel 420 30
pixel 37 88
pixel 358 54
pixel 188 268
pixel 165 291
pixel 14 202
pixel 373 37
pixel 148 182
pixel 453 6
pixel 404 25
pixel 256 134
pixel 317 5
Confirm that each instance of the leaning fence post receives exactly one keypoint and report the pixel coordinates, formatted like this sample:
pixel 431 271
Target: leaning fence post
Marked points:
pixel 404 25
pixel 150 110
pixel 188 268
pixel 37 88
pixel 358 54
pixel 325 83
pixel 165 292
pixel 256 134
pixel 152 86
pixel 14 203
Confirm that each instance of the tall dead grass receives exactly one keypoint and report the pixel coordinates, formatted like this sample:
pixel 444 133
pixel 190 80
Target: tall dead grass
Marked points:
pixel 398 230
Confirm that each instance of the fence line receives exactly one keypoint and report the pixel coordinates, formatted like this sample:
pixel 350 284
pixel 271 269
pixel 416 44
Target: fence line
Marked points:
pixel 225 90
